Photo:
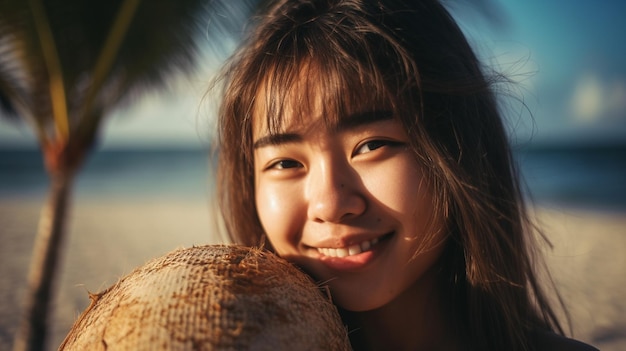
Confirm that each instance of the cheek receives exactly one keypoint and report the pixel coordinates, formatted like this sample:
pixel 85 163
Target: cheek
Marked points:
pixel 403 191
pixel 278 211
pixel 407 196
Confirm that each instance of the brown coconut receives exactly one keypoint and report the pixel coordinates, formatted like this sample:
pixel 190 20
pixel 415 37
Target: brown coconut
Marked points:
pixel 218 297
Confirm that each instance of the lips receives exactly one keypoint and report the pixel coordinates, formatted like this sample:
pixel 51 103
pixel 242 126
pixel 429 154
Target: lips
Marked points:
pixel 351 250
pixel 353 256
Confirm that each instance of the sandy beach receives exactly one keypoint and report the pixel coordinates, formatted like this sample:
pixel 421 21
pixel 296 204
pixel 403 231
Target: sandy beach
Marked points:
pixel 108 238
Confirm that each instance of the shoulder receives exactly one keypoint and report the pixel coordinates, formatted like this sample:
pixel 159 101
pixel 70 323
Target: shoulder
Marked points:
pixel 547 341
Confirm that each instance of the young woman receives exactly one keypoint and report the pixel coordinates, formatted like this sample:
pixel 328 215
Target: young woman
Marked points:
pixel 361 140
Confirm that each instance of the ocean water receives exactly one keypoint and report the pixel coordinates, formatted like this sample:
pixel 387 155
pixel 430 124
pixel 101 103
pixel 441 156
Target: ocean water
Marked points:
pixel 588 177
pixel 114 173
pixel 583 177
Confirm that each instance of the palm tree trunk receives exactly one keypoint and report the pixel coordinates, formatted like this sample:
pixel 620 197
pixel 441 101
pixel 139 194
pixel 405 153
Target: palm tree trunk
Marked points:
pixel 48 244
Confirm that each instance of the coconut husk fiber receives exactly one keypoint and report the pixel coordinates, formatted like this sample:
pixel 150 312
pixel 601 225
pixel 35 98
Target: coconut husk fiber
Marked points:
pixel 216 297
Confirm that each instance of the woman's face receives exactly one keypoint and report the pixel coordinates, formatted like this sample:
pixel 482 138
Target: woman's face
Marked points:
pixel 348 203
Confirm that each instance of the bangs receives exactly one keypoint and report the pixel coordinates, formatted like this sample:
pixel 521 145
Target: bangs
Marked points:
pixel 315 72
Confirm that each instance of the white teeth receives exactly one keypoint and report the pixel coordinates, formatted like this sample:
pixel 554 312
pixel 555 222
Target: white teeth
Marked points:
pixel 354 250
pixel 348 251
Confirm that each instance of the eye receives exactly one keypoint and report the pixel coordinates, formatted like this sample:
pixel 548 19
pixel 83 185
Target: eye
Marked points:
pixel 372 145
pixel 284 164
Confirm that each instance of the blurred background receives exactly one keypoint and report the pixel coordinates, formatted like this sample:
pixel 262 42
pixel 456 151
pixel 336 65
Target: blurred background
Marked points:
pixel 147 188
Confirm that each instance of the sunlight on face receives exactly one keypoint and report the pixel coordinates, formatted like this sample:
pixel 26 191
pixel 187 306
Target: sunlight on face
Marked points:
pixel 346 202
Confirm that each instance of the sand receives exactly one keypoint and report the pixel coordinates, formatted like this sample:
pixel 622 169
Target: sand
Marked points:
pixel 588 266
pixel 109 237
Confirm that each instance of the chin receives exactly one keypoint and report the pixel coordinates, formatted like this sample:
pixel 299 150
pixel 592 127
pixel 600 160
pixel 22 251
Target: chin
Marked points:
pixel 352 304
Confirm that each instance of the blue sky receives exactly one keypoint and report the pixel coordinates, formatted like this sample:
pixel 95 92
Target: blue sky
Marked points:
pixel 567 58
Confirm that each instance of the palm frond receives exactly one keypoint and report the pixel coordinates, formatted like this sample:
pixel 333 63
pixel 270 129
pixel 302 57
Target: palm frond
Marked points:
pixel 11 95
pixel 90 72
pixel 50 55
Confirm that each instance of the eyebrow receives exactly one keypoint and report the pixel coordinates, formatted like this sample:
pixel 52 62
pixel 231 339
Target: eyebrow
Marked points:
pixel 350 122
pixel 276 139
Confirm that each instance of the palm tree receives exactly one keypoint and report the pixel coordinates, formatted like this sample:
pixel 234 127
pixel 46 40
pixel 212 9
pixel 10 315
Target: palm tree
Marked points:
pixel 64 66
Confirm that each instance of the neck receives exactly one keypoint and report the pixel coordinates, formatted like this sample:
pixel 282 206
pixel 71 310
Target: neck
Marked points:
pixel 415 320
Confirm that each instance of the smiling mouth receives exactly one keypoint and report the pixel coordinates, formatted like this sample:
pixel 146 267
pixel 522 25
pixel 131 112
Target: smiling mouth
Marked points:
pixel 351 250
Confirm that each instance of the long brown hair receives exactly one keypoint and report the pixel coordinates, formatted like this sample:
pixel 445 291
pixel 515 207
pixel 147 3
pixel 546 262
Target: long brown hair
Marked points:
pixel 412 57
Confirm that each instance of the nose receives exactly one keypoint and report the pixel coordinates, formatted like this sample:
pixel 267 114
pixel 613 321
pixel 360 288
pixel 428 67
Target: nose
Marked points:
pixel 335 193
